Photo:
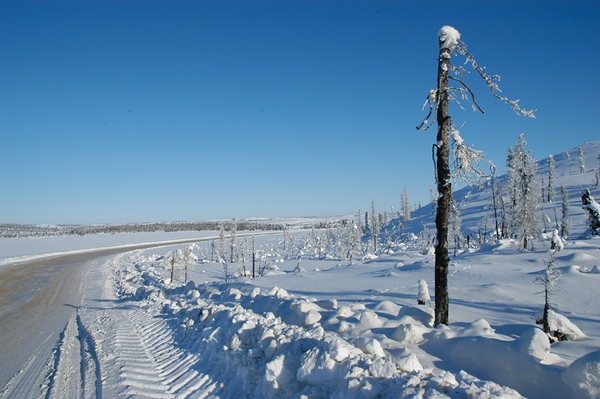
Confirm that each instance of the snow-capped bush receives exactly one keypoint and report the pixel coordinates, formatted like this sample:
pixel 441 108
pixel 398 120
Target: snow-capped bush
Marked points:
pixel 561 327
pixel 423 295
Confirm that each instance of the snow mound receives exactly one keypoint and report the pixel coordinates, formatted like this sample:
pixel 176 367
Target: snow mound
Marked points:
pixel 576 258
pixel 410 364
pixel 299 269
pixel 583 376
pixel 534 342
pixel 409 334
pixel 561 327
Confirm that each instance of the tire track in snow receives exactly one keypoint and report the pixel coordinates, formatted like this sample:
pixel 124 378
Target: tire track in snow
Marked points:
pixel 65 368
pixel 147 361
pixel 31 381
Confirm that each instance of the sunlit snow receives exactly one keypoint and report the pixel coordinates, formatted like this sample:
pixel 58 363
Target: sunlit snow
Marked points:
pixel 316 325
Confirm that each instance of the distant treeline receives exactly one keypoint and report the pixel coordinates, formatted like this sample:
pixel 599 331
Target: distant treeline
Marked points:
pixel 30 230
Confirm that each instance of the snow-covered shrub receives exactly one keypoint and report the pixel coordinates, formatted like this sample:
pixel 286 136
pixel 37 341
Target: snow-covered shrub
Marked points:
pixel 561 327
pixel 548 279
pixel 423 295
pixel 425 241
pixel 557 243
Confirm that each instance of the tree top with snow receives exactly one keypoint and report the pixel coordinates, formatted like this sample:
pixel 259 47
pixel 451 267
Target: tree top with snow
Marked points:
pixel 448 37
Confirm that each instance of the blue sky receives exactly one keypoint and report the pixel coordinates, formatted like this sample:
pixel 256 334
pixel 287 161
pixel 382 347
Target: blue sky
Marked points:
pixel 129 111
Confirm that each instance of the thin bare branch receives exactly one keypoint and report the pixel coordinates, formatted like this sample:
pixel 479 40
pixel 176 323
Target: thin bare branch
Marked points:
pixel 470 91
pixel 432 105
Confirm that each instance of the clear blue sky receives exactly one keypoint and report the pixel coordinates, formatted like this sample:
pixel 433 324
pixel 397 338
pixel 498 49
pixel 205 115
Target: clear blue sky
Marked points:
pixel 127 111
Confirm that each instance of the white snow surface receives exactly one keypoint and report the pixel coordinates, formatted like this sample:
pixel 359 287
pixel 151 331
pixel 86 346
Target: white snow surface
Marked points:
pixel 332 328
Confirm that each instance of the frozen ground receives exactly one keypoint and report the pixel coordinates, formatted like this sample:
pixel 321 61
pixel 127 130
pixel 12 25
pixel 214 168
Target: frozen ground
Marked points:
pixel 321 327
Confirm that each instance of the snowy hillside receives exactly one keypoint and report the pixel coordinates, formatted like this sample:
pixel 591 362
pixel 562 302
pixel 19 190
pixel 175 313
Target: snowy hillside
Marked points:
pixel 476 203
pixel 318 324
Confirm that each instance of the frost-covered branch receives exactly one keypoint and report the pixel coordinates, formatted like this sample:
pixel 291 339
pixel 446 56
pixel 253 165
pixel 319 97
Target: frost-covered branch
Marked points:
pixel 450 39
pixel 466 159
pixel 432 102
pixel 491 82
pixel 472 100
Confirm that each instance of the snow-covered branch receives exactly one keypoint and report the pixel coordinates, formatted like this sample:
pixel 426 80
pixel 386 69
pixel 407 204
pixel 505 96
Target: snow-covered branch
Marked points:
pixel 491 81
pixel 466 159
pixel 432 102
pixel 462 91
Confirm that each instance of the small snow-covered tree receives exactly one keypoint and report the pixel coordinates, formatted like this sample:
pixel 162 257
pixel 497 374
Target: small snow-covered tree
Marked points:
pixel 189 257
pixel 171 260
pixel 465 158
pixel 581 161
pixel 565 221
pixel 522 180
pixel 455 223
pixel 232 232
pixel 375 226
pixel 569 161
pixel 494 201
pixel 551 176
pixel 425 241
pixel 433 200
pixel 502 209
pixel 556 243
pixel 221 249
pixel 512 190
pixel 243 253
pixel 285 238
pixel 405 204
pixel 548 280
pixel 423 297
pixel 227 273
pixel 593 210
pixel 355 240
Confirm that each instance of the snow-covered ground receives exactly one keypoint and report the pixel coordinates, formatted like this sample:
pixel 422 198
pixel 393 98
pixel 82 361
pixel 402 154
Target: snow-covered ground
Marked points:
pixel 325 327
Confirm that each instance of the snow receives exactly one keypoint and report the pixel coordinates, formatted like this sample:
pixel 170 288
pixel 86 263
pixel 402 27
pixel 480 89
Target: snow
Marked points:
pixel 584 375
pixel 328 328
pixel 449 37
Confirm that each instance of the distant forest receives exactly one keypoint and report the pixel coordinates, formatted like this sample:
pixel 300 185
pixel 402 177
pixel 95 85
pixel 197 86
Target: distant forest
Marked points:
pixel 30 230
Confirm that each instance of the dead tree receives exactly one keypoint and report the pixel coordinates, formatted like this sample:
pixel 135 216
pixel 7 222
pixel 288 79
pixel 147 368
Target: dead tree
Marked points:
pixel 465 160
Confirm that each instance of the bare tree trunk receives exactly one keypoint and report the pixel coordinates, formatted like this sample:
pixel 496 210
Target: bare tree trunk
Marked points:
pixel 545 323
pixel 253 259
pixel 172 267
pixel 444 187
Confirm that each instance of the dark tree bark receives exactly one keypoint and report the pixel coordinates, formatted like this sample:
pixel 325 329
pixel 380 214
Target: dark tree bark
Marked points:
pixel 444 187
pixel 253 259
pixel 172 267
pixel 545 323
